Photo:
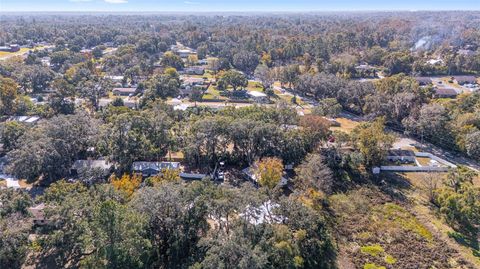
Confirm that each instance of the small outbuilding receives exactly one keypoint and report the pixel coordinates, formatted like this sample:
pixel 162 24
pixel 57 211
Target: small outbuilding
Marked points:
pixel 124 91
pixel 395 155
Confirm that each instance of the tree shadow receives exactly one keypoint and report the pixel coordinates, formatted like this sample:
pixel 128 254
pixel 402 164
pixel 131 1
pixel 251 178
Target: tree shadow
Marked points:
pixel 469 240
pixel 394 185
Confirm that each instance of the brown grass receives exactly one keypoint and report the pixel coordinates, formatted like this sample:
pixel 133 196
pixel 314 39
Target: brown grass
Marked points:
pixel 346 125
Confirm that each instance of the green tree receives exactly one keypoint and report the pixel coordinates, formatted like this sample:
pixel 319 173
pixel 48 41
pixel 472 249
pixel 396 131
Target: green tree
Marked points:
pixel 90 228
pixel 234 79
pixel 177 219
pixel 328 107
pixel 14 228
pixel 372 142
pixel 170 59
pixel 10 133
pixel 50 148
pixel 8 94
pixel 314 173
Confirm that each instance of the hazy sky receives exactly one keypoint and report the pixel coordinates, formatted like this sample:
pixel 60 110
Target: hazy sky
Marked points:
pixel 238 5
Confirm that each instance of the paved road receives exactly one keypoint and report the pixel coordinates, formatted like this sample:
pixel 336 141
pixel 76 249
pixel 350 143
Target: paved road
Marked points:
pixel 425 146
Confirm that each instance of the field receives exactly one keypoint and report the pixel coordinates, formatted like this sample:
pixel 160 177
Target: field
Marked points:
pixel 415 189
pixel 376 230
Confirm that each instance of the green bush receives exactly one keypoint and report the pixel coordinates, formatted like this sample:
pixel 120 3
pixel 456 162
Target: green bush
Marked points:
pixel 372 250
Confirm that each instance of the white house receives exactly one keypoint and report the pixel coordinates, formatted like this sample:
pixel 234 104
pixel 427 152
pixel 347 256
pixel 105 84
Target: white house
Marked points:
pixel 258 97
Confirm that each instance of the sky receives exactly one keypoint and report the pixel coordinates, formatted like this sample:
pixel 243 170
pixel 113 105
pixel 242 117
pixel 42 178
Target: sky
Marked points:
pixel 234 5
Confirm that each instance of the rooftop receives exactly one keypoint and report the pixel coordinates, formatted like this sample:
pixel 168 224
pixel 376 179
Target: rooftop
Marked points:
pixel 256 94
pixel 158 166
pixel 400 152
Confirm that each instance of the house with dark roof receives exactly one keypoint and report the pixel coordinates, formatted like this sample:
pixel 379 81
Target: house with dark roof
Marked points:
pixel 10 48
pixel 194 70
pixel 80 165
pixel 444 92
pixel 124 91
pixel 148 169
pixel 395 155
pixel 38 215
pixel 462 80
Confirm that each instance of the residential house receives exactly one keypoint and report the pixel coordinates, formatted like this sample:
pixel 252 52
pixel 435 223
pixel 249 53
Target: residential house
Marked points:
pixel 148 169
pixel 46 61
pixel 117 79
pixel 194 70
pixel 184 53
pixel 10 48
pixel 124 91
pixel 258 97
pixel 401 155
pixel 80 165
pixel 466 52
pixel 444 92
pixel 38 215
pixel 462 80
pixel 24 119
pixel 192 81
pixel 203 62
pixel 435 62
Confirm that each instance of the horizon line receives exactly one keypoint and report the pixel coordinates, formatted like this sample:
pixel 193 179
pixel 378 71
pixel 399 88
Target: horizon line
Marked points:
pixel 242 11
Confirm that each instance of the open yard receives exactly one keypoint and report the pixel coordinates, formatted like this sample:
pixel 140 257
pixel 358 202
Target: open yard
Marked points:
pixel 346 125
pixel 5 55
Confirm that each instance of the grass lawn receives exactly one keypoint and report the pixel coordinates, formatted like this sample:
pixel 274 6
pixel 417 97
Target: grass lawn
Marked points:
pixel 423 161
pixel 6 55
pixel 212 93
pixel 346 125
pixel 288 98
pixel 254 86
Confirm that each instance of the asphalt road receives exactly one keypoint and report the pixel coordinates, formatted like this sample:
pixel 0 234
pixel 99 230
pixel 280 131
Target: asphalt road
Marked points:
pixel 425 146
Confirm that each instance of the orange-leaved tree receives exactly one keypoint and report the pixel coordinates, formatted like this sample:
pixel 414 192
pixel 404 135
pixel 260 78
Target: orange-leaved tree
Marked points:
pixel 127 184
pixel 269 172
